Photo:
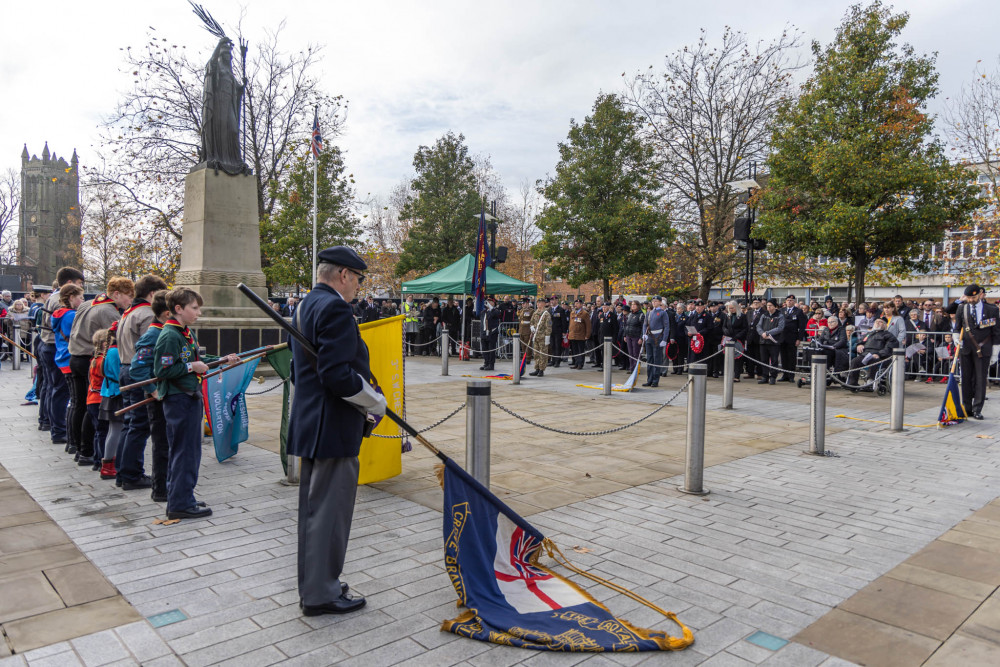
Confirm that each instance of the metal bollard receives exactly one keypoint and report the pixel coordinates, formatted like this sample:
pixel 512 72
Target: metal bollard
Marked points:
pixel 515 373
pixel 477 430
pixel 444 353
pixel 15 354
pixel 898 388
pixel 817 407
pixel 294 463
pixel 607 365
pixel 728 374
pixel 694 467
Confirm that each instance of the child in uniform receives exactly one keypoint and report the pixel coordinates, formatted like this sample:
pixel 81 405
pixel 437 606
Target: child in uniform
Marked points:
pixel 70 298
pixel 179 368
pixel 100 341
pixel 111 402
pixel 142 369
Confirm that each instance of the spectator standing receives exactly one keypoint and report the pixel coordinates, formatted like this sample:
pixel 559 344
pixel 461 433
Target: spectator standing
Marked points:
pixel 771 328
pixel 794 334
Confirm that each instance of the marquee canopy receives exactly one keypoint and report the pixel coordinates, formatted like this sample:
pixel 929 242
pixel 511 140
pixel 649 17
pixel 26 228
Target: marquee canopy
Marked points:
pixel 457 279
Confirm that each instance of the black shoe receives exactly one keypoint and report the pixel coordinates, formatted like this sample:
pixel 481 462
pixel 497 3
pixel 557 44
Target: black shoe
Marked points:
pixel 533 373
pixel 345 604
pixel 762 381
pixel 44 427
pixel 771 381
pixel 144 482
pixel 541 373
pixel 159 497
pixel 85 461
pixel 978 415
pixel 482 368
pixel 647 384
pixel 76 457
pixel 97 464
pixel 195 512
pixel 71 449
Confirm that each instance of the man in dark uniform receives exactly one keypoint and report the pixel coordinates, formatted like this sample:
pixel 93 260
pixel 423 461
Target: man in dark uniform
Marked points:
pixel 714 339
pixel 794 334
pixel 753 349
pixel 701 320
pixel 559 328
pixel 333 397
pixel 491 331
pixel 979 323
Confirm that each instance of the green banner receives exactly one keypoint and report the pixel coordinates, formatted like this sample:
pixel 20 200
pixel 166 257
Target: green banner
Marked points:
pixel 281 362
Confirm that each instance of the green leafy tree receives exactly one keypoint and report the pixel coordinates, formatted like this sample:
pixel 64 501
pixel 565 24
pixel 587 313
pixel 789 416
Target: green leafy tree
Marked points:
pixel 441 211
pixel 286 234
pixel 603 216
pixel 855 172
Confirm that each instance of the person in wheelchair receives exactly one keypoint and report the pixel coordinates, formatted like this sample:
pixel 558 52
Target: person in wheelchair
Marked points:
pixel 830 340
pixel 877 347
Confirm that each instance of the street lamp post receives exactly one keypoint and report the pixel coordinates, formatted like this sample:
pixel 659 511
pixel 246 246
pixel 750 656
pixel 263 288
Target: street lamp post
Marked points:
pixel 743 228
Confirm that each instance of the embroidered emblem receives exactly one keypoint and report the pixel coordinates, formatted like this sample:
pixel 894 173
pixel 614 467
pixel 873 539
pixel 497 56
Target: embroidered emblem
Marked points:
pixel 167 360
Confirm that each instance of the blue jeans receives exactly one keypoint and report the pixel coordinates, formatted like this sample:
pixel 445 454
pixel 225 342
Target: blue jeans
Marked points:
pixel 100 429
pixel 130 458
pixel 57 401
pixel 654 355
pixel 183 414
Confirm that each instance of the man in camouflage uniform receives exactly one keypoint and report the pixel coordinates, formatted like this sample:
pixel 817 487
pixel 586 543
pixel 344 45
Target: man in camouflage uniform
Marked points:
pixel 541 329
pixel 524 328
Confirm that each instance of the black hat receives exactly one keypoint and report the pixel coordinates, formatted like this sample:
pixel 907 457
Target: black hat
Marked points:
pixel 699 302
pixel 657 298
pixel 342 255
pixel 773 302
pixel 973 290
pixel 828 298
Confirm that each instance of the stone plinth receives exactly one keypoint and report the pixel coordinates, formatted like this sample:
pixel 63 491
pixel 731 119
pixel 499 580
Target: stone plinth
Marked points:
pixel 221 245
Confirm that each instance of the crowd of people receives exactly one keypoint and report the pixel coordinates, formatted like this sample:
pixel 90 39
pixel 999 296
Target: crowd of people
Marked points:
pixel 90 355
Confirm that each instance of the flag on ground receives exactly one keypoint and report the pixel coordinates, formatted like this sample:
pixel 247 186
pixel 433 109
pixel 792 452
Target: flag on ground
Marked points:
pixel 226 408
pixel 317 137
pixel 491 556
pixel 482 261
pixel 952 409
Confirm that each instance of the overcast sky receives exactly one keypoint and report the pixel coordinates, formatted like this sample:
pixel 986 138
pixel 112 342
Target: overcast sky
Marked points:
pixel 509 75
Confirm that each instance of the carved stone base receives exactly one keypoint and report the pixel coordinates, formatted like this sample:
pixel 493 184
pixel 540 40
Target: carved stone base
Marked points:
pixel 221 245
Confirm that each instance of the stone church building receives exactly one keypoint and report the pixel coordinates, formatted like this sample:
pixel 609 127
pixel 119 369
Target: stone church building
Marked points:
pixel 49 233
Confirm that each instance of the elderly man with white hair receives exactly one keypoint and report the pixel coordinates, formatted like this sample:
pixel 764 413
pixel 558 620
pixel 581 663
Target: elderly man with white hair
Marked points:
pixel 877 347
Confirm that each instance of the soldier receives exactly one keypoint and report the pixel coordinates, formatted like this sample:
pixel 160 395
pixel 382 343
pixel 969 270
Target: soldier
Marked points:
pixel 524 329
pixel 541 331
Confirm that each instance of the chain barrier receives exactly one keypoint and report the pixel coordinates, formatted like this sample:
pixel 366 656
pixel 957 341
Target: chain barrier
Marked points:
pixel 424 430
pixel 264 391
pixel 666 366
pixel 430 342
pixel 592 433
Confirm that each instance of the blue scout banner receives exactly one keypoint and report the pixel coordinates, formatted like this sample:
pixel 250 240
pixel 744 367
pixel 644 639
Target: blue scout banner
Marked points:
pixel 226 408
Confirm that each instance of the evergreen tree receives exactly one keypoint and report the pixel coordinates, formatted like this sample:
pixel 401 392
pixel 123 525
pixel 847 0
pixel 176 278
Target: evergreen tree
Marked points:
pixel 286 235
pixel 441 213
pixel 603 216
pixel 855 171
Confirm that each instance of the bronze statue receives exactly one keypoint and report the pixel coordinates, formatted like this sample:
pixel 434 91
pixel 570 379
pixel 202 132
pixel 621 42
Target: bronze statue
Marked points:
pixel 222 105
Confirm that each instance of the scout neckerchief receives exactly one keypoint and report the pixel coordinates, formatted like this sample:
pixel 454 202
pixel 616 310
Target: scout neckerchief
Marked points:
pixel 144 304
pixel 156 325
pixel 186 333
pixel 102 299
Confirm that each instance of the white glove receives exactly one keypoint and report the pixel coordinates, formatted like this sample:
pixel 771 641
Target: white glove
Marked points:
pixel 663 343
pixel 993 357
pixel 547 342
pixel 368 399
pixel 645 336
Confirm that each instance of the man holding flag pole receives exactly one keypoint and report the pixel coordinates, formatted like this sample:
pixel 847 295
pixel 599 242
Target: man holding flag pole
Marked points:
pixel 979 323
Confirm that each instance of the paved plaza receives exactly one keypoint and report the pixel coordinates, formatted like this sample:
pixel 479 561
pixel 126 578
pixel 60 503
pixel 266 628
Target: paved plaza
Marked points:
pixel 886 554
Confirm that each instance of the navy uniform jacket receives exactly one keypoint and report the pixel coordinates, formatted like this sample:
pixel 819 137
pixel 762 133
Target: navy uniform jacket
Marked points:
pixel 985 332
pixel 322 424
pixel 491 323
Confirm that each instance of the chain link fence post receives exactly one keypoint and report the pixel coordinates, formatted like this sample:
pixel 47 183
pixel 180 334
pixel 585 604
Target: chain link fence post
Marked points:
pixel 477 430
pixel 444 352
pixel 728 374
pixel 515 373
pixel 817 407
pixel 694 466
pixel 607 366
pixel 898 389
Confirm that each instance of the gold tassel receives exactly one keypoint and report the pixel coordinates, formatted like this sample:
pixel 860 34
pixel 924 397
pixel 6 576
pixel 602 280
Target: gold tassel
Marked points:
pixel 439 473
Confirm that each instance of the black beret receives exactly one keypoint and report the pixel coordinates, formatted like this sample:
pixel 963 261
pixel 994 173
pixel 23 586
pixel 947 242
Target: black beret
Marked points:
pixel 342 256
pixel 973 290
pixel 657 298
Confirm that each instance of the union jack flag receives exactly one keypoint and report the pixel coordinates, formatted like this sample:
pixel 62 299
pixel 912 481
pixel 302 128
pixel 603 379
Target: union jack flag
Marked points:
pixel 317 136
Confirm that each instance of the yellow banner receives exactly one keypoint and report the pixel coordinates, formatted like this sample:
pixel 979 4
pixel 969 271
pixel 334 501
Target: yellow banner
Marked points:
pixel 382 458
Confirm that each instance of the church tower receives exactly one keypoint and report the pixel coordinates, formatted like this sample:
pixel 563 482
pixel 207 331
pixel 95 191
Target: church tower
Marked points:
pixel 49 234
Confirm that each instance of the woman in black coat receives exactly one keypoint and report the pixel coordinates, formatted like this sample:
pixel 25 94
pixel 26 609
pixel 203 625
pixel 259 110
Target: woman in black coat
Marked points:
pixel 735 327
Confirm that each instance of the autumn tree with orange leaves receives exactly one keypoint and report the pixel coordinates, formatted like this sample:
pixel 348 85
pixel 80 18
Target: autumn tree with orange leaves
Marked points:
pixel 855 171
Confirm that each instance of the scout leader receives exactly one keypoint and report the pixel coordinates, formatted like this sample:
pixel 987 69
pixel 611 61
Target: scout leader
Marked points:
pixel 179 367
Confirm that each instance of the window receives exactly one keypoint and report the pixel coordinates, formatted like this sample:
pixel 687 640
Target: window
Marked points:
pixel 31 231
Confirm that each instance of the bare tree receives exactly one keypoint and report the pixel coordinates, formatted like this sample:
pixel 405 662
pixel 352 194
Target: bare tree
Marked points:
pixel 710 114
pixel 972 123
pixel 10 202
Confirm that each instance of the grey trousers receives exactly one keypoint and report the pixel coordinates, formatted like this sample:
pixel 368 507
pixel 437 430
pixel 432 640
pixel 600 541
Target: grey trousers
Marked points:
pixel 327 489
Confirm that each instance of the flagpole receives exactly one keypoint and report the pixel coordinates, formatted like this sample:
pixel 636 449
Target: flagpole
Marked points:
pixel 315 208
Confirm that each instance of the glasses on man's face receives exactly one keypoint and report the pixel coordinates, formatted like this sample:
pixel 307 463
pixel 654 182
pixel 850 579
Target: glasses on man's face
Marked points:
pixel 361 276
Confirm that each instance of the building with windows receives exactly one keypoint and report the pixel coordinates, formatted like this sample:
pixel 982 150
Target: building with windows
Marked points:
pixel 49 233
